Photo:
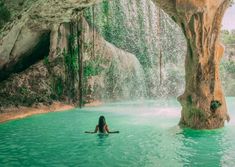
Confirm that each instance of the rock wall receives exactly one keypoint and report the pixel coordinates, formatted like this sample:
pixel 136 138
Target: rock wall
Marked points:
pixel 53 75
pixel 28 45
pixel 203 102
pixel 35 20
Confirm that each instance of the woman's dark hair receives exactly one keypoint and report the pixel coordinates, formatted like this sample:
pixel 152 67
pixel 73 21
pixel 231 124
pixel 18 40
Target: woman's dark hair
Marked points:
pixel 101 124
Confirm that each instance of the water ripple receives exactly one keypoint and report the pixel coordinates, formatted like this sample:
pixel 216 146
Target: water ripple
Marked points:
pixel 148 137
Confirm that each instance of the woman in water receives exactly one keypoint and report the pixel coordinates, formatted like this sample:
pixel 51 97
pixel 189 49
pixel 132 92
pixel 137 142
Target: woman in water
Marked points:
pixel 102 127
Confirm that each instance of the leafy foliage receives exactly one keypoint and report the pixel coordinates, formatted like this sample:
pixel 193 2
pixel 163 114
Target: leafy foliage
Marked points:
pixel 71 60
pixel 229 66
pixel 5 14
pixel 91 69
pixel 135 31
pixel 228 37
pixel 71 57
pixel 46 60
pixel 23 90
pixel 59 87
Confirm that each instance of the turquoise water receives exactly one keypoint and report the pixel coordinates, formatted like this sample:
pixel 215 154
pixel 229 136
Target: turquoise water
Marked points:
pixel 148 137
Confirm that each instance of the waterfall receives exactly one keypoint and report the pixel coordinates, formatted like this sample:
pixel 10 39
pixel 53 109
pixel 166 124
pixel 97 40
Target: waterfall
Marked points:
pixel 111 73
pixel 125 75
pixel 133 26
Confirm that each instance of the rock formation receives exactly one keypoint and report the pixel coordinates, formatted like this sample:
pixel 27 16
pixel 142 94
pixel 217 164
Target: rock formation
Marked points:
pixel 40 65
pixel 35 23
pixel 203 102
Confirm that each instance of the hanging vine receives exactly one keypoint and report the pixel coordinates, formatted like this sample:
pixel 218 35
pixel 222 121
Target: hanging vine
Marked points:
pixel 93 31
pixel 80 39
pixel 160 46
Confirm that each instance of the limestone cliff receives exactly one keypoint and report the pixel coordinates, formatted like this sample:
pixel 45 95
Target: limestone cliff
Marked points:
pixel 203 101
pixel 56 26
pixel 47 71
pixel 39 56
pixel 37 21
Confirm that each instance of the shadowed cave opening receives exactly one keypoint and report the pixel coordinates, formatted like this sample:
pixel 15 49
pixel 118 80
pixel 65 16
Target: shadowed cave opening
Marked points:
pixel 29 58
pixel 129 54
pixel 139 59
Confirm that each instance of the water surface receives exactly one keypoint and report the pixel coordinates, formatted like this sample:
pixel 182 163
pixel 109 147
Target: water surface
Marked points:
pixel 149 138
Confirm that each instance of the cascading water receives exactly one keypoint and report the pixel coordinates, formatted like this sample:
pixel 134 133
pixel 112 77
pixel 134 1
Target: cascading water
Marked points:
pixel 129 76
pixel 139 80
pixel 133 26
pixel 111 73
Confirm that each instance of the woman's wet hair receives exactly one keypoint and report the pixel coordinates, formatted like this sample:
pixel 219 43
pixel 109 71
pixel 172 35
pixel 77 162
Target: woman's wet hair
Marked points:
pixel 101 124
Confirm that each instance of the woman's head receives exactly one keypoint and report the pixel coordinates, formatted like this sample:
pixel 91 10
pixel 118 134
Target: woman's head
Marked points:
pixel 101 123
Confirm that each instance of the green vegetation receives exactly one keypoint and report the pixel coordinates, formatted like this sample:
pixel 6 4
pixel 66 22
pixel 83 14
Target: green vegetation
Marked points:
pixel 110 21
pixel 71 57
pixel 132 31
pixel 227 37
pixel 57 88
pixel 24 90
pixel 227 67
pixel 71 60
pixel 5 14
pixel 92 68
pixel 143 55
pixel 190 100
pixel 107 29
pixel 46 61
pixel 135 31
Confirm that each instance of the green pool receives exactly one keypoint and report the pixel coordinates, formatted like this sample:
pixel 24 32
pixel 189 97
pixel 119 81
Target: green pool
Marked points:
pixel 148 137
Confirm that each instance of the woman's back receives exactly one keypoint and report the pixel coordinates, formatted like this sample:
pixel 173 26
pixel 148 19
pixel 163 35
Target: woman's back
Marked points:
pixel 102 129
